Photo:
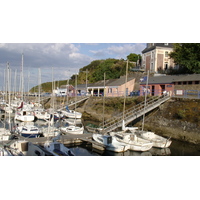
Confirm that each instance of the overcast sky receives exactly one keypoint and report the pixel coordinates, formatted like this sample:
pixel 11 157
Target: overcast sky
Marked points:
pixel 65 58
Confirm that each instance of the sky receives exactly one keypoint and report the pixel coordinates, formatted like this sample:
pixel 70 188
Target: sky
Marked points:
pixel 63 59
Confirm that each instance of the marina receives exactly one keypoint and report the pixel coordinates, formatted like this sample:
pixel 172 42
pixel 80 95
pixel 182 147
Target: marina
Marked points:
pixel 83 145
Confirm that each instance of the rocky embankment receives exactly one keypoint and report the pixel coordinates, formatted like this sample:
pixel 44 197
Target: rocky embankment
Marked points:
pixel 177 118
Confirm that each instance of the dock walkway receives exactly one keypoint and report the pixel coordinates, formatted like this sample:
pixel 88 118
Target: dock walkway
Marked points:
pixel 68 139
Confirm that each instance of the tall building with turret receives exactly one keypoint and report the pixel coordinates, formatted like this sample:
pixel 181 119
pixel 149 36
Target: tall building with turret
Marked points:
pixel 155 57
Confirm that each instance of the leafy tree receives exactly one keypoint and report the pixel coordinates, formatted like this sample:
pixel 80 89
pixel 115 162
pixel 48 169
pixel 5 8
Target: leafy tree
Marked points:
pixel 134 57
pixel 187 56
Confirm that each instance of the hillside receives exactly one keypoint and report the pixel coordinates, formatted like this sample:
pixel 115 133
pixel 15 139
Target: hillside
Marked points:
pixel 113 68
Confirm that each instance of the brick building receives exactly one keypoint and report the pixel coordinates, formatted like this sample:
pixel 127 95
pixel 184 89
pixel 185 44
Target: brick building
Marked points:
pixel 155 57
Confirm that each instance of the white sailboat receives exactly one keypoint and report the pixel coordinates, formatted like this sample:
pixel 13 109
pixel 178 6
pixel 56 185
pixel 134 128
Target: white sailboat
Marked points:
pixel 135 143
pixel 24 115
pixel 28 129
pixel 73 128
pixel 41 114
pixel 110 142
pixel 52 145
pixel 24 112
pixel 71 113
pixel 158 141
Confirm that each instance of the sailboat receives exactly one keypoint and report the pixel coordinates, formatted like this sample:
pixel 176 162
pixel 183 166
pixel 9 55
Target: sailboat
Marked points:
pixel 24 115
pixel 24 111
pixel 39 112
pixel 73 128
pixel 109 141
pixel 158 141
pixel 135 143
pixel 72 113
pixel 28 129
pixel 52 145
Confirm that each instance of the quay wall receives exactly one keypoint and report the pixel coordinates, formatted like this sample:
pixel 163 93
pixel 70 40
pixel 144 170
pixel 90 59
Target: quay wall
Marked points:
pixel 176 118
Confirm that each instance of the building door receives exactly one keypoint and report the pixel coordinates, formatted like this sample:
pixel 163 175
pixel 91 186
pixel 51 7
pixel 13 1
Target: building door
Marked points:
pixel 162 89
pixel 152 90
pixel 166 66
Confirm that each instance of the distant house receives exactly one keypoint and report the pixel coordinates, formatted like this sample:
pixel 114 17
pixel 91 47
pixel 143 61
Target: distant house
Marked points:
pixel 169 83
pixel 155 57
pixel 113 87
pixel 64 90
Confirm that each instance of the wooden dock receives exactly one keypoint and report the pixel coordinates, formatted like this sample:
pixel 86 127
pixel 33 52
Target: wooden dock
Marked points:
pixel 68 140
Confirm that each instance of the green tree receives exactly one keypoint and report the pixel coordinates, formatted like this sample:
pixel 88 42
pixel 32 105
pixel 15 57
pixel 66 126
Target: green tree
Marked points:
pixel 187 56
pixel 134 57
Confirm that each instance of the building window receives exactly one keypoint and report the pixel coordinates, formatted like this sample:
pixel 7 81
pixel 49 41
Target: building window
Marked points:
pixel 151 66
pixel 184 82
pixel 196 82
pixel 166 44
pixel 179 83
pixel 152 55
pixel 166 53
pixel 189 82
pixel 109 90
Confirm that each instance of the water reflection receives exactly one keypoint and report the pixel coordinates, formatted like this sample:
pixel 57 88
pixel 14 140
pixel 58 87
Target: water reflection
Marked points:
pixel 80 151
pixel 160 152
pixel 127 153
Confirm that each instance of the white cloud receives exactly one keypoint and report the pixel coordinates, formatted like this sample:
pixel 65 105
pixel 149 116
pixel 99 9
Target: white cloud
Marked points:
pixel 64 57
pixel 126 49
pixel 118 51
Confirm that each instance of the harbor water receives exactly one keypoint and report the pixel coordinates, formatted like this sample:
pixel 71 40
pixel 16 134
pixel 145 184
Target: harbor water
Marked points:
pixel 177 148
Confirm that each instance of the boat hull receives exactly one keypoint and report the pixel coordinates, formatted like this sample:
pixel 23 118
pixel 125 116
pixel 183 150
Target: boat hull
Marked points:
pixel 30 135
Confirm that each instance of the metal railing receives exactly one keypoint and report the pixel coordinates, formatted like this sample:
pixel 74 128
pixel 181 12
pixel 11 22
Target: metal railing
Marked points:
pixel 133 113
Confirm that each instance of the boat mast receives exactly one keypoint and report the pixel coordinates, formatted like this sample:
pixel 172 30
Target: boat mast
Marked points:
pixel 39 85
pixel 104 98
pixel 8 86
pixel 67 92
pixel 22 78
pixel 75 96
pixel 125 90
pixel 14 86
pixel 146 89
pixel 28 82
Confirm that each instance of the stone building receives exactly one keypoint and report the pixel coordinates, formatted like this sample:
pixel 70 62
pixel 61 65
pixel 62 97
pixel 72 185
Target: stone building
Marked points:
pixel 155 57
